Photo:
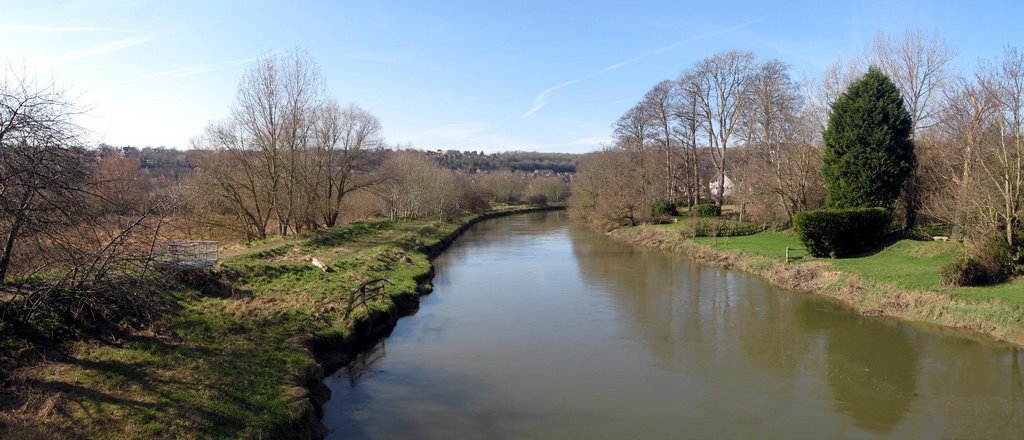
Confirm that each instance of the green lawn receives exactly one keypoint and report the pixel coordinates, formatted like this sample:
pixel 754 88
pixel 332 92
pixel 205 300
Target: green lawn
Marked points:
pixel 907 264
pixel 1011 292
pixel 766 244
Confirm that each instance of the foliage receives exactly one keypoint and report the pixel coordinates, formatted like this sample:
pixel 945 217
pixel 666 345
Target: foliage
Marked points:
pixel 714 227
pixel 706 210
pixel 663 207
pixel 841 232
pixel 868 150
pixel 537 200
pixel 987 264
pixel 603 194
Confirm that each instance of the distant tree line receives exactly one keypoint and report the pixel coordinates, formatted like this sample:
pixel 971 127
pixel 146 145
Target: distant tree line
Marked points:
pixel 508 161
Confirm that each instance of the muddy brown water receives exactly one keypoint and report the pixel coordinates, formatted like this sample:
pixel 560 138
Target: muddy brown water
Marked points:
pixel 540 329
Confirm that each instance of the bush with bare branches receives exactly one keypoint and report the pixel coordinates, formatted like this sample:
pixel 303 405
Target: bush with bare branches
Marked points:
pixel 76 244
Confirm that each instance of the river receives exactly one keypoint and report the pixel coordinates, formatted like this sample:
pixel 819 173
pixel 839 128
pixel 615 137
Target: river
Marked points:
pixel 541 329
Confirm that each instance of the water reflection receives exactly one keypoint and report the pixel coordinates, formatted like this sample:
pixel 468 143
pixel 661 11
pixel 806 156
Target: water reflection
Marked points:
pixel 693 315
pixel 541 330
pixel 872 382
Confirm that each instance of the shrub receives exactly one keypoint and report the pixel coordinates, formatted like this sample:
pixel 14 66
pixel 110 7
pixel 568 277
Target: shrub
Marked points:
pixel 841 232
pixel 706 210
pixel 663 208
pixel 655 220
pixel 990 263
pixel 538 200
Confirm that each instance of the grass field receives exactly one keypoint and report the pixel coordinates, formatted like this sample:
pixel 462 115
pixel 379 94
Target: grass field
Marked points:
pixel 234 360
pixel 907 264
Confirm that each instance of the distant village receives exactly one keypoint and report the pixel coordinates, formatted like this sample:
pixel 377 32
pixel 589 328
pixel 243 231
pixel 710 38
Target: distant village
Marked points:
pixel 561 165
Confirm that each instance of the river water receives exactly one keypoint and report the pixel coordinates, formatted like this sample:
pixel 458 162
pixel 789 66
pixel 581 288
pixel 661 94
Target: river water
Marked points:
pixel 540 329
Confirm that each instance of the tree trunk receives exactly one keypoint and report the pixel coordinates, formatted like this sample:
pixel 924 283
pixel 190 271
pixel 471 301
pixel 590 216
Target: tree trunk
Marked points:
pixel 910 201
pixel 721 182
pixel 5 259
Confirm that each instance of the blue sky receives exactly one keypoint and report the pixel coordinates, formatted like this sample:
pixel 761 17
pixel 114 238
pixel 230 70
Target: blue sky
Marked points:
pixel 446 74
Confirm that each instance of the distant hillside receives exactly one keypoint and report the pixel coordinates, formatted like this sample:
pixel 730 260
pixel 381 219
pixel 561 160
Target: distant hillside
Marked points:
pixel 510 160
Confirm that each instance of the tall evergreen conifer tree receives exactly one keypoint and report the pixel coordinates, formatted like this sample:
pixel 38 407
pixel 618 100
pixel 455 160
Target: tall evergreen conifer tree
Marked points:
pixel 868 149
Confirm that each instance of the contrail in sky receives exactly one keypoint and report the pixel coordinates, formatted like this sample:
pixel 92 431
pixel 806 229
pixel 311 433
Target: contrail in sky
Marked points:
pixel 196 70
pixel 542 98
pixel 91 51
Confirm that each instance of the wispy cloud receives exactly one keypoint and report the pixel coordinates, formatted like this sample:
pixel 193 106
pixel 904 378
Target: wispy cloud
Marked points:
pixel 174 73
pixel 542 98
pixel 57 29
pixel 89 52
pixel 196 70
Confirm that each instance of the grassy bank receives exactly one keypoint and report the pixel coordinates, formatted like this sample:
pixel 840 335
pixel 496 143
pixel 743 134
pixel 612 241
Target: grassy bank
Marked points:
pixel 901 280
pixel 243 355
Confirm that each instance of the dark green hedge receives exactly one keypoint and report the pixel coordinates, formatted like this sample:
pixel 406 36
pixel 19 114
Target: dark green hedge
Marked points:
pixel 707 210
pixel 841 232
pixel 663 207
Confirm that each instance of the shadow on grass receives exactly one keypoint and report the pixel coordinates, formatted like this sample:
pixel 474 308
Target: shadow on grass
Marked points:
pixel 215 283
pixel 341 235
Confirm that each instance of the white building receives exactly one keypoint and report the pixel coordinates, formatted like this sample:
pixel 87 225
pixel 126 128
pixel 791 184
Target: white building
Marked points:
pixel 728 188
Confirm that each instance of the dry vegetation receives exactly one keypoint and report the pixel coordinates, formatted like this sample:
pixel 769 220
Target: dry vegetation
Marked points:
pixel 239 357
pixel 97 340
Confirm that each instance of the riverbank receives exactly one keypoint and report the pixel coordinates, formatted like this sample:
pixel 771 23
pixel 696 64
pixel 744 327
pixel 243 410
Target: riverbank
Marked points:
pixel 900 281
pixel 245 350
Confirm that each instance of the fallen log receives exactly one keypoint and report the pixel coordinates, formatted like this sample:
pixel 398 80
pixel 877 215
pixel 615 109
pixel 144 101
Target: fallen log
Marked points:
pixel 323 266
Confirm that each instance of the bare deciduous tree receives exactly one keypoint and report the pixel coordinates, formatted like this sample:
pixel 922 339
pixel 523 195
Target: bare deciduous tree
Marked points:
pixel 918 64
pixel 76 246
pixel 964 123
pixel 779 136
pixel 341 139
pixel 660 104
pixel 43 167
pixel 689 117
pixel 979 149
pixel 1003 160
pixel 606 189
pixel 288 156
pixel 720 84
pixel 634 131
